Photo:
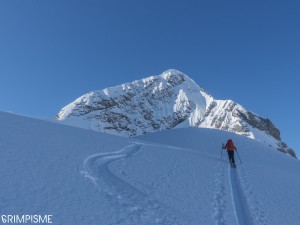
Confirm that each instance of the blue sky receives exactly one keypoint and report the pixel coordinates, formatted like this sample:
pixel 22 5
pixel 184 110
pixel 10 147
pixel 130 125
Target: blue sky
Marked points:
pixel 52 52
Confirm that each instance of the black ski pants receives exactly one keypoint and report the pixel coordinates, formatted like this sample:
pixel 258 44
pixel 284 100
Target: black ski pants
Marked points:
pixel 231 156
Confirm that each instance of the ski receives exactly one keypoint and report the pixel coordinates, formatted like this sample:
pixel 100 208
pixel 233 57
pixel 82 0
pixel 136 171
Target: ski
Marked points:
pixel 232 165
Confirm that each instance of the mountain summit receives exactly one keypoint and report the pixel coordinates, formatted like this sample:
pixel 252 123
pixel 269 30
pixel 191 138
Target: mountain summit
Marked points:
pixel 167 101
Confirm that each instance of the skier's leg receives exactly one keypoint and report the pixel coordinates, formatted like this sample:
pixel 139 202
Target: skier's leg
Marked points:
pixel 229 157
pixel 233 157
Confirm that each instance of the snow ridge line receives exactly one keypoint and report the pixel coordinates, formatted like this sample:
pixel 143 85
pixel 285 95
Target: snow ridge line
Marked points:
pixel 219 196
pixel 180 148
pixel 242 211
pixel 131 204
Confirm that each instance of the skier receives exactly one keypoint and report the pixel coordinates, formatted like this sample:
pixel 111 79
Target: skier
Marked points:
pixel 230 150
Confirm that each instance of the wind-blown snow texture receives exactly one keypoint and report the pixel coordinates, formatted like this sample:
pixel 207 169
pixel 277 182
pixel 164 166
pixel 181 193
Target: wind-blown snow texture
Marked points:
pixel 170 100
pixel 171 177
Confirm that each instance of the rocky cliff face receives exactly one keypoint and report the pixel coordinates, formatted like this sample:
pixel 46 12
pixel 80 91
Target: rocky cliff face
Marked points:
pixel 170 100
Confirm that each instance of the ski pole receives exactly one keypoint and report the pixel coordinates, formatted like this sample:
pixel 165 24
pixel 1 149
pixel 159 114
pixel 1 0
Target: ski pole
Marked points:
pixel 221 154
pixel 221 151
pixel 239 156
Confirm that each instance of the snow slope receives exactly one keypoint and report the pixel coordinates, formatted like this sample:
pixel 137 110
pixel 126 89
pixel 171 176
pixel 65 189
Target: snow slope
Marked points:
pixel 171 177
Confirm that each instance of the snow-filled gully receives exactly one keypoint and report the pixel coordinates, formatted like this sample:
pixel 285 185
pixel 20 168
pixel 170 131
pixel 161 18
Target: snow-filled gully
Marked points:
pixel 134 206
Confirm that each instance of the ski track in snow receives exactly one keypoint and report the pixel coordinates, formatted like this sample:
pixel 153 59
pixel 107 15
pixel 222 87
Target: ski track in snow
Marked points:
pixel 131 205
pixel 257 215
pixel 219 196
pixel 136 207
pixel 246 207
pixel 241 208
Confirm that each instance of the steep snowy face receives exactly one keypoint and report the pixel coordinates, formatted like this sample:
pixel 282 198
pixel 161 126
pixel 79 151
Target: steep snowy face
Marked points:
pixel 143 106
pixel 230 116
pixel 167 101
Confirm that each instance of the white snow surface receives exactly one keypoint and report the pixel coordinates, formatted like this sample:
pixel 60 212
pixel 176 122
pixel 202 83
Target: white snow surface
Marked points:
pixel 165 178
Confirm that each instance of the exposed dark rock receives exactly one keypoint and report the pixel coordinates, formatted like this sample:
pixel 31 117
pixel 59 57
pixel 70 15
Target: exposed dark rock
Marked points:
pixel 260 123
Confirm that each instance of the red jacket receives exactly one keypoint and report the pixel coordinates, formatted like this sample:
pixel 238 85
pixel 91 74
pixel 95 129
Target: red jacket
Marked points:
pixel 229 146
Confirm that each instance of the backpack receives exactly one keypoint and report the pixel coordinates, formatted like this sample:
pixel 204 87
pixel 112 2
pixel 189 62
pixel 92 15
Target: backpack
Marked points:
pixel 230 145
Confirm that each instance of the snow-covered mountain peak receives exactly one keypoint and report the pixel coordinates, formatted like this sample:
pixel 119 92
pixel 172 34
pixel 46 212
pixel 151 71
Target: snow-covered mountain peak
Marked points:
pixel 166 101
pixel 168 79
pixel 172 72
pixel 173 75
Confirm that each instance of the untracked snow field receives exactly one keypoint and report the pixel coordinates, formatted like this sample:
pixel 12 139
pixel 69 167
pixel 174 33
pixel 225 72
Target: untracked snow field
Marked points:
pixel 167 178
